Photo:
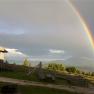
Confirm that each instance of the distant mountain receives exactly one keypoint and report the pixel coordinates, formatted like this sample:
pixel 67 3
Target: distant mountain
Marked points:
pixel 82 63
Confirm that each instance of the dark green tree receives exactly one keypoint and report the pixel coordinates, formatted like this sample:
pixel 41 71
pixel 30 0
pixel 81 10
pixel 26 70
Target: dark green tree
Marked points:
pixel 92 74
pixel 71 69
pixel 56 67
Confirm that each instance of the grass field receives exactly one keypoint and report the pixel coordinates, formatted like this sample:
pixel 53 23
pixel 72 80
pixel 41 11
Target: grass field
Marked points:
pixel 32 77
pixel 23 76
pixel 38 90
pixel 19 75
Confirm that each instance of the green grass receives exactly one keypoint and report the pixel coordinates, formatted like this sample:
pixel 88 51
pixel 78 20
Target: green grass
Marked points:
pixel 38 90
pixel 19 75
pixel 22 76
pixel 32 77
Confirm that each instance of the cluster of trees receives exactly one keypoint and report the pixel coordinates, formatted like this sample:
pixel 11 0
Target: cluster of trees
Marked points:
pixel 56 67
pixel 71 69
pixel 61 67
pixel 88 73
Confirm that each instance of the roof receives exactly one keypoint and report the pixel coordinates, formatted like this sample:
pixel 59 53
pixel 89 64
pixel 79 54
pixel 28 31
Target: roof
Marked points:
pixel 3 50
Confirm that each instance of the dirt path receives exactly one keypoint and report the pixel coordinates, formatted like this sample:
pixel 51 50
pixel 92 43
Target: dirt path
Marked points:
pixel 62 87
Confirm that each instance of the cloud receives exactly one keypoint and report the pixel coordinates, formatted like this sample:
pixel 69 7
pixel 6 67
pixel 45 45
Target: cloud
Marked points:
pixel 54 51
pixel 45 59
pixel 11 30
pixel 14 54
pixel 88 58
pixel 49 59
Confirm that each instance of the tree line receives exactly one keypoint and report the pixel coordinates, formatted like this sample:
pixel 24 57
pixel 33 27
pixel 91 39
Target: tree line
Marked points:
pixel 68 69
pixel 61 68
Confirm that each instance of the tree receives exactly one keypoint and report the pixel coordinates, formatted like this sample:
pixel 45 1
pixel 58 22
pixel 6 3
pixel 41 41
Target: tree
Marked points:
pixel 71 69
pixel 6 62
pixel 56 67
pixel 40 65
pixel 88 73
pixel 14 63
pixel 78 71
pixel 26 63
pixel 29 64
pixel 83 73
pixel 92 74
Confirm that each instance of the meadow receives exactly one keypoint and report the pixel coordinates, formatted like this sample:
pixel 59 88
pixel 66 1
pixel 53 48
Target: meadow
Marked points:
pixel 37 90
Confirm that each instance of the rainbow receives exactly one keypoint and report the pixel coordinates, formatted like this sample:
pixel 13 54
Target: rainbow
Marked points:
pixel 82 21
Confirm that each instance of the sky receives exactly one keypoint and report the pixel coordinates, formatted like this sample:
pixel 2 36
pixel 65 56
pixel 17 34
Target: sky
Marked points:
pixel 46 29
pixel 86 9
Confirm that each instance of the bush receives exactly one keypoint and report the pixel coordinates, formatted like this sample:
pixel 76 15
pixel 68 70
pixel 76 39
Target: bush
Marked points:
pixel 56 67
pixel 71 69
